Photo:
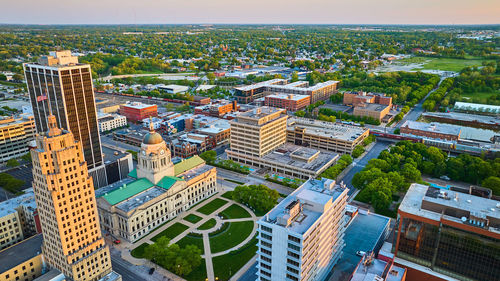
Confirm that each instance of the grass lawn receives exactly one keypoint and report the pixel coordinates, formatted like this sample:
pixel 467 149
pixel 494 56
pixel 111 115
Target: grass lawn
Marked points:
pixel 227 265
pixel 213 205
pixel 172 231
pixel 228 195
pixel 208 224
pixel 446 64
pixel 191 240
pixel 198 274
pixel 235 212
pixel 480 97
pixel 139 251
pixel 234 235
pixel 192 218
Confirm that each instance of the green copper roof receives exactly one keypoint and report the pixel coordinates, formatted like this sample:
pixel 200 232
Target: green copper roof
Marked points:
pixel 167 182
pixel 123 193
pixel 133 174
pixel 188 164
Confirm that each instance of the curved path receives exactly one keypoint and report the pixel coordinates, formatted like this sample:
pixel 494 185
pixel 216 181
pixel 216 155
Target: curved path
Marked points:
pixel 126 247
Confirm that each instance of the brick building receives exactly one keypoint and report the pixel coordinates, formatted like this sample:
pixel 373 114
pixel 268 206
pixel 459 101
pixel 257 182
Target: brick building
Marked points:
pixel 289 102
pixel 137 111
pixel 431 130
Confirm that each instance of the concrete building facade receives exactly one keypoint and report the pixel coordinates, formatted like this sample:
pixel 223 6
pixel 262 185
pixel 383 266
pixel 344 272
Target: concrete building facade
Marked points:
pixel 64 194
pixel 431 130
pixel 108 122
pixel 320 91
pixel 156 191
pixel 302 237
pixel 339 138
pixel 15 134
pixel 23 261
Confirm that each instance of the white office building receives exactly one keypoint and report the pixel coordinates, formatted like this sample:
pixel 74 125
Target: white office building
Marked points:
pixel 108 122
pixel 302 237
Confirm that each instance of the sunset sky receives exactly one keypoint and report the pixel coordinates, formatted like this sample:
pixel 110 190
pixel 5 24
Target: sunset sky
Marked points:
pixel 251 11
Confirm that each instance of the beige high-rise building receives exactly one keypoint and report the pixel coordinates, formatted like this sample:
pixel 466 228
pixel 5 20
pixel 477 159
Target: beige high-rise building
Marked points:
pixel 258 132
pixel 64 193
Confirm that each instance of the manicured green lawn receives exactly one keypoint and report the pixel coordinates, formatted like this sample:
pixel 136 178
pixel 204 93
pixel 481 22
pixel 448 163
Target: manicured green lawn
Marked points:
pixel 192 218
pixel 139 251
pixel 227 265
pixel 208 224
pixel 213 205
pixel 235 212
pixel 234 235
pixel 171 232
pixel 191 240
pixel 198 274
pixel 228 195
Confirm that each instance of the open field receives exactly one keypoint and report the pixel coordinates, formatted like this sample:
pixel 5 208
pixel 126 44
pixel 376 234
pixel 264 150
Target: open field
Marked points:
pixel 212 206
pixel 444 64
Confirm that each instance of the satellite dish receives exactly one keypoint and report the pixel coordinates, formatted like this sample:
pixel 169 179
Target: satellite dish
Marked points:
pixel 464 219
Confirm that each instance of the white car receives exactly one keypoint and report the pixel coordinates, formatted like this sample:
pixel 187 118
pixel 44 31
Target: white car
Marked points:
pixel 360 253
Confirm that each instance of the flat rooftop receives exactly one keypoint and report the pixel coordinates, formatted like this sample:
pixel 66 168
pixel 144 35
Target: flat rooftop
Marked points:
pixel 433 127
pixel 292 97
pixel 138 105
pixel 284 155
pixel 140 199
pixel 317 194
pixel 259 112
pixel 27 199
pixel 373 106
pixel 326 129
pixel 430 202
pixel 362 234
pixel 20 252
pixel 464 117
pixel 281 84
pixel 377 268
pixel 111 155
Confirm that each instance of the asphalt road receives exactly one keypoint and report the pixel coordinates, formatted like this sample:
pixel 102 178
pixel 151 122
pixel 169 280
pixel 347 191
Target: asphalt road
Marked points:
pixel 417 110
pixel 125 270
pixel 361 163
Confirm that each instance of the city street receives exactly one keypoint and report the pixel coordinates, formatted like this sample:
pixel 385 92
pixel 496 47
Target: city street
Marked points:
pixel 361 163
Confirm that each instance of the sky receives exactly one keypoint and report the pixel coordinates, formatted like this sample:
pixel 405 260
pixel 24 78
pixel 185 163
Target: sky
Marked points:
pixel 250 11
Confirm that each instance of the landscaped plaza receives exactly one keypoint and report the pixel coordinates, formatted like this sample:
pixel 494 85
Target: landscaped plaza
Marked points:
pixel 224 231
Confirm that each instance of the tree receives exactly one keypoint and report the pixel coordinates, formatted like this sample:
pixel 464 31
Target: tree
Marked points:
pixel 209 156
pixel 172 257
pixel 258 197
pixel 17 77
pixel 12 163
pixel 300 113
pixel 211 76
pixel 3 77
pixel 411 173
pixel 492 183
pixel 295 77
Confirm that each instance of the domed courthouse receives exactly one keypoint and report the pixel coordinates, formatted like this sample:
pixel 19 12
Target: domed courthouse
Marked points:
pixel 155 192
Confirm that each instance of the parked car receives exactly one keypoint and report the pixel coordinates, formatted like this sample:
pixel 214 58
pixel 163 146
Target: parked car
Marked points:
pixel 151 271
pixel 445 178
pixel 117 241
pixel 360 253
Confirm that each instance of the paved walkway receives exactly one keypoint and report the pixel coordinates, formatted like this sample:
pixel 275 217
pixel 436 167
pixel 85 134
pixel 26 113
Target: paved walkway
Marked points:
pixel 127 247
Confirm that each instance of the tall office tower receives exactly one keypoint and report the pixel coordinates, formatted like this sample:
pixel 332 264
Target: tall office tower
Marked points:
pixel 64 194
pixel 258 132
pixel 302 237
pixel 448 235
pixel 58 83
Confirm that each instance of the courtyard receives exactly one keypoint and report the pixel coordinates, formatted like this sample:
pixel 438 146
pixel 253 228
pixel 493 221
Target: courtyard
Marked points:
pixel 224 231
